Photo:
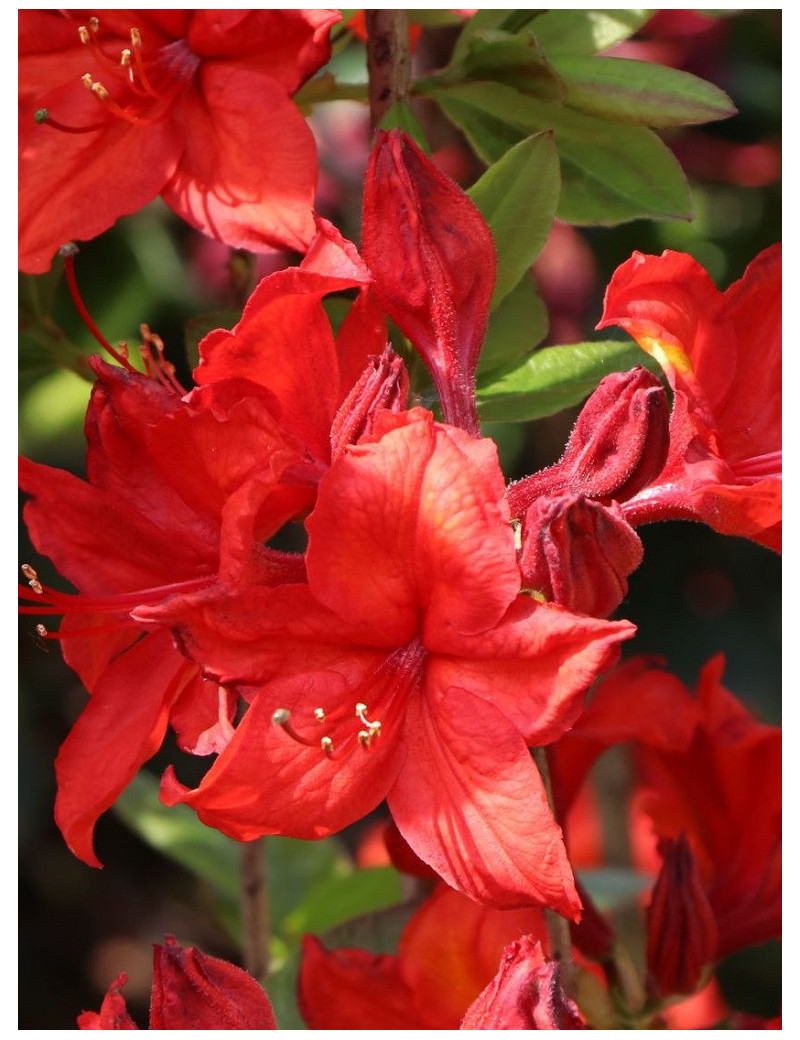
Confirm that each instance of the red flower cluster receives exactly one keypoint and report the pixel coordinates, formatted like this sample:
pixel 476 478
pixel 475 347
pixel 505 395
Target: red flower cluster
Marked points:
pixel 439 624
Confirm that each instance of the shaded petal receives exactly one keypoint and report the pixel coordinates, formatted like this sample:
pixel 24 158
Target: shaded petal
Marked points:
pixel 414 525
pixel 353 989
pixel 535 666
pixel 113 1013
pixel 268 782
pixel 450 949
pixel 237 194
pixel 120 728
pixel 470 802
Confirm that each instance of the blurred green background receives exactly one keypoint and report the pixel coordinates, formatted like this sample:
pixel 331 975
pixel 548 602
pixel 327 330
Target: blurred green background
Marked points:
pixel 697 593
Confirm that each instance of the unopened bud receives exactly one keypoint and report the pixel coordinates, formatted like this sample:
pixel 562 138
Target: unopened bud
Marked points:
pixel 433 263
pixel 681 927
pixel 593 934
pixel 617 447
pixel 524 994
pixel 578 553
pixel 382 385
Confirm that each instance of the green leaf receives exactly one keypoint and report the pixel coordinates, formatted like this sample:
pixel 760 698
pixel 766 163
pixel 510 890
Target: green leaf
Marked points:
pixel 641 92
pixel 553 378
pixel 401 116
pixel 517 60
pixel 336 900
pixel 517 326
pixel 378 932
pixel 587 31
pixel 509 21
pixel 518 196
pixel 610 172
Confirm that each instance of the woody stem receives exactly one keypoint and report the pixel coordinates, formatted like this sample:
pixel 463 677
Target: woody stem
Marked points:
pixel 557 926
pixel 255 909
pixel 388 60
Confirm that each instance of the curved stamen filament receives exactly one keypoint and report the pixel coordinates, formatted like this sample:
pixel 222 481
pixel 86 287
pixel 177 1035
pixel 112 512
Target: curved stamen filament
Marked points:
pixel 105 98
pixel 42 116
pixel 52 602
pixel 68 253
pixel 138 61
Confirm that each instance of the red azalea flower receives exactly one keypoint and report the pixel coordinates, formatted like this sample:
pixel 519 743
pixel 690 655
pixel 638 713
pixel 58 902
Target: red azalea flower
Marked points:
pixel 178 491
pixel 117 107
pixel 722 355
pixel 408 668
pixel 447 954
pixel 190 991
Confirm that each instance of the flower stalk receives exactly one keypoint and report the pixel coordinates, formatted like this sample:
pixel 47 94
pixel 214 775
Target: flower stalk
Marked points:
pixel 388 61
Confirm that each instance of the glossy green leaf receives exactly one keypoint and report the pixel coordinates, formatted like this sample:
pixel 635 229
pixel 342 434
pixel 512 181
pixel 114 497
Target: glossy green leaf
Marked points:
pixel 610 172
pixel 518 196
pixel 517 60
pixel 517 326
pixel 553 378
pixel 586 32
pixel 336 900
pixel 641 92
pixel 487 19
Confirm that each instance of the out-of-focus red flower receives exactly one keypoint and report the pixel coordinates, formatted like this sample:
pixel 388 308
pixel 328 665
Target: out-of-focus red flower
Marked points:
pixel 190 991
pixel 731 771
pixel 448 953
pixel 722 355
pixel 524 994
pixel 120 107
pixel 433 260
pixel 409 667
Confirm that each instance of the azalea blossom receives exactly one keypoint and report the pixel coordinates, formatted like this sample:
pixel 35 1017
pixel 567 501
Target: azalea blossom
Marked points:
pixel 408 667
pixel 448 952
pixel 117 107
pixel 722 355
pixel 190 991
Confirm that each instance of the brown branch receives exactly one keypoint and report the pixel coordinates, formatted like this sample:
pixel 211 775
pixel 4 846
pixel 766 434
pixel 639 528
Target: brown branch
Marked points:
pixel 388 60
pixel 557 926
pixel 255 909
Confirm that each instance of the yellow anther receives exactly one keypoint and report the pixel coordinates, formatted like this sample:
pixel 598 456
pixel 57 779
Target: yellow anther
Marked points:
pixel 29 572
pixel 83 32
pixel 125 58
pixel 99 91
pixel 41 631
pixel 94 24
pixel 87 80
pixel 319 714
pixel 136 38
pixel 327 746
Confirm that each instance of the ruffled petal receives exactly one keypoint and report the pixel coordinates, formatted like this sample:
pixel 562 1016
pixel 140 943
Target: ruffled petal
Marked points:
pixel 535 666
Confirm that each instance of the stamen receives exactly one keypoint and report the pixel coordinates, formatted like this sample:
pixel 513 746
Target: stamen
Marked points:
pixel 136 43
pixel 42 116
pixel 94 24
pixel 42 632
pixel 319 714
pixel 68 253
pixel 100 92
pixel 373 730
pixel 281 717
pixel 29 572
pixel 327 746
pixel 83 32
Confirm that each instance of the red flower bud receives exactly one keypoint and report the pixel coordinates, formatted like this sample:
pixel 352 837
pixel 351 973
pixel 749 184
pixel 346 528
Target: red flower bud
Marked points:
pixel 524 994
pixel 578 553
pixel 193 991
pixel 617 447
pixel 681 927
pixel 433 261
pixel 382 384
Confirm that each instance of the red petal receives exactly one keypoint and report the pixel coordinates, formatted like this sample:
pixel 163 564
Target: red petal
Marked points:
pixel 120 728
pixel 353 989
pixel 535 665
pixel 113 1013
pixel 470 802
pixel 234 193
pixel 416 522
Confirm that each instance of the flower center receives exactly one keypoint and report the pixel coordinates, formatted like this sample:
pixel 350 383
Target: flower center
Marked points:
pixel 132 87
pixel 359 723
